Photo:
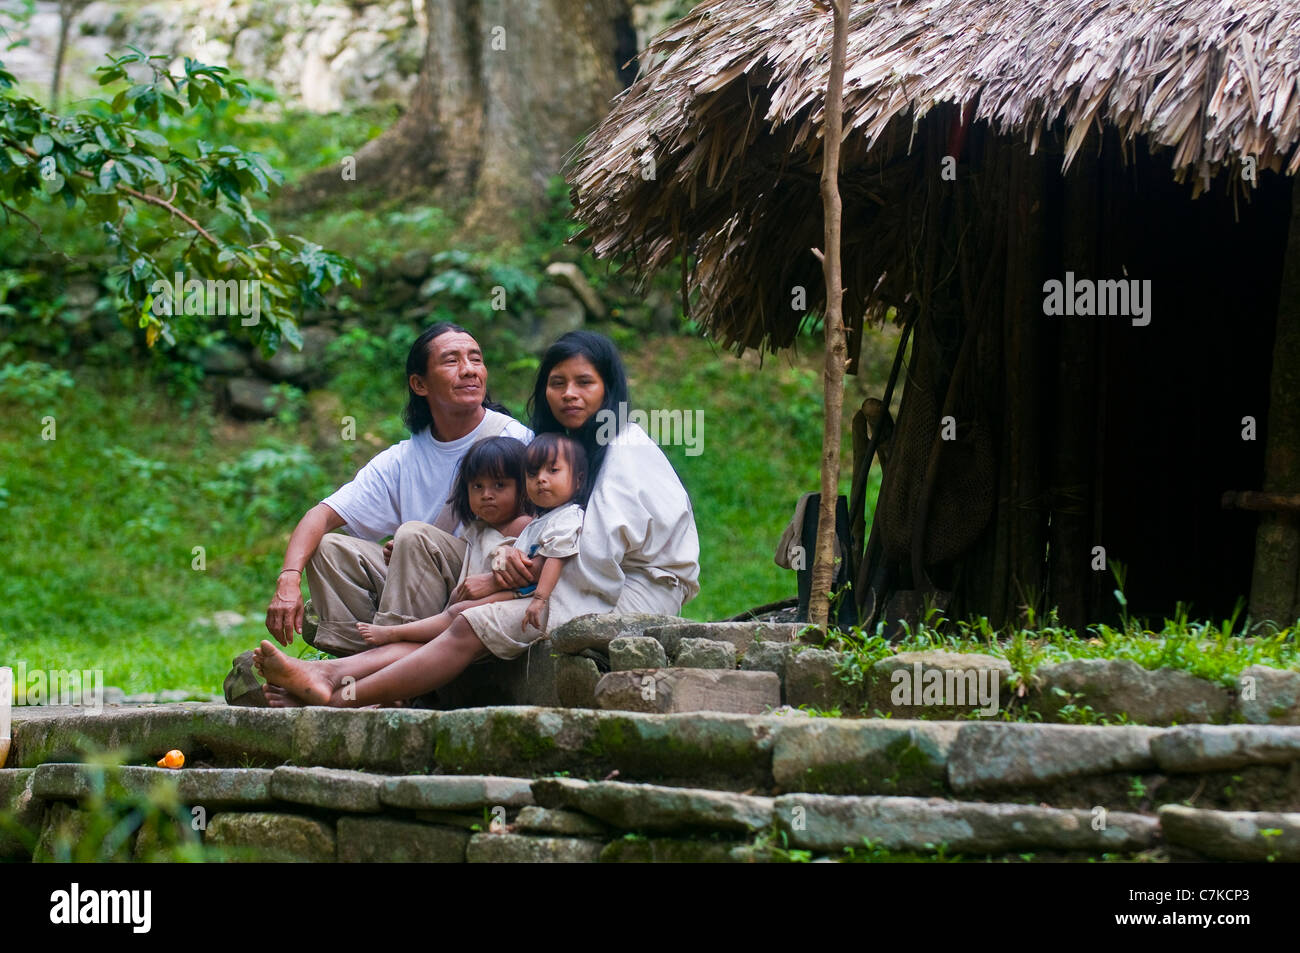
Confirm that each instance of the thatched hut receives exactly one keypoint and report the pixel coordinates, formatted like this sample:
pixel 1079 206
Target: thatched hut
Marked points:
pixel 993 148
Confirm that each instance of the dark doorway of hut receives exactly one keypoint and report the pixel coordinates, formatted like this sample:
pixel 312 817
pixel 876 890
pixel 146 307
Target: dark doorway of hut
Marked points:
pixel 1082 442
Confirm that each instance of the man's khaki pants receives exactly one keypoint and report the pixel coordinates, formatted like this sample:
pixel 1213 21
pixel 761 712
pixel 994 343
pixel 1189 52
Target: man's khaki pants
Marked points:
pixel 350 582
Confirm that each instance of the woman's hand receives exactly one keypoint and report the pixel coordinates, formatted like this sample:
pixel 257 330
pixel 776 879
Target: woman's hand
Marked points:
pixel 533 614
pixel 518 570
pixel 285 613
pixel 477 586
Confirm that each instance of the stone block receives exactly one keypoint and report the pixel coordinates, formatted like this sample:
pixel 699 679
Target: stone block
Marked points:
pixel 575 681
pixel 705 653
pixel 828 823
pixel 523 849
pixel 330 788
pixel 1233 835
pixel 597 630
pixel 259 836
pixel 739 634
pixel 648 807
pixel 811 679
pixel 768 657
pixel 1121 686
pixel 676 690
pixel 445 792
pixel 1275 696
pixel 636 651
pixel 383 739
pixel 210 788
pixel 729 752
pixel 863 756
pixel 939 685
pixel 229 735
pixel 1003 755
pixel 1224 747
pixel 371 840
pixel 543 820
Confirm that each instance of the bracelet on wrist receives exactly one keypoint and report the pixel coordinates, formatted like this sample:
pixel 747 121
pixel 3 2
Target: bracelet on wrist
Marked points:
pixel 283 571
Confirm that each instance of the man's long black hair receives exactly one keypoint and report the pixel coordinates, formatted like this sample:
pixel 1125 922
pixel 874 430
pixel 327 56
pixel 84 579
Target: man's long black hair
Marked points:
pixel 416 416
pixel 604 357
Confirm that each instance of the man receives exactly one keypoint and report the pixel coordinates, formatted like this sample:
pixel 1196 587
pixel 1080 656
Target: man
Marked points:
pixel 401 492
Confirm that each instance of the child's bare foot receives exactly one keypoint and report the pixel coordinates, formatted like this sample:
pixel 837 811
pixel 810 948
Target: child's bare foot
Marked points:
pixel 377 634
pixel 277 697
pixel 303 680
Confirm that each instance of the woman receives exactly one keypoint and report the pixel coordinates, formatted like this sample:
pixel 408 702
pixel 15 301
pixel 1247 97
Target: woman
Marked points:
pixel 639 551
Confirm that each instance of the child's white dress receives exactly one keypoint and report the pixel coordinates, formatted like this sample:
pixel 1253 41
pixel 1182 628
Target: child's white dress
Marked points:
pixel 500 625
pixel 481 541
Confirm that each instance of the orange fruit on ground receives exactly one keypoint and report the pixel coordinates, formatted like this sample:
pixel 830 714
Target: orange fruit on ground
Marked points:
pixel 172 759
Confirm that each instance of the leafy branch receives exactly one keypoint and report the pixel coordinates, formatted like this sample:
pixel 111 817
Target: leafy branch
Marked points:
pixel 165 209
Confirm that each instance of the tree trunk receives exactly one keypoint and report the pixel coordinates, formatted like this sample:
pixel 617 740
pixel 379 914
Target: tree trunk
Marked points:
pixel 506 89
pixel 67 10
pixel 823 572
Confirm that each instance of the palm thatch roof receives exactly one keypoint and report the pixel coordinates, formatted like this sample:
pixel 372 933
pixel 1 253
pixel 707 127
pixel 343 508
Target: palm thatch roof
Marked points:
pixel 715 150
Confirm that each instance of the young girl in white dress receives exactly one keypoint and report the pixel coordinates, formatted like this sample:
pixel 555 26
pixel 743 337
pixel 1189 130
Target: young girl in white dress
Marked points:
pixel 556 468
pixel 488 497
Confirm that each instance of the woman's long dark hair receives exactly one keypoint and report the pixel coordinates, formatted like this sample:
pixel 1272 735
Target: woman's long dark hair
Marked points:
pixel 417 416
pixel 603 355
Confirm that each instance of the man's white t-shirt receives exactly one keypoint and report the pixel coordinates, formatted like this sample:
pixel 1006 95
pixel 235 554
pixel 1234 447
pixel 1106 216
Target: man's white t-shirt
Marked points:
pixel 411 480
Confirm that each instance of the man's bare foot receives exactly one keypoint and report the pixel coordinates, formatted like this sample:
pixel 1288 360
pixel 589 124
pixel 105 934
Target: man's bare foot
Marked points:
pixel 377 634
pixel 277 697
pixel 303 680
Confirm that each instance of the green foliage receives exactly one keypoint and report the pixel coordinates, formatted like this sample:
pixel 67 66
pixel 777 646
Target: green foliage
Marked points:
pixel 162 209
pixel 268 484
pixel 33 383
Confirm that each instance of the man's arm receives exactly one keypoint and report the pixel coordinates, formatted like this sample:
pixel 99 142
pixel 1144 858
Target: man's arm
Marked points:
pixel 284 614
pixel 517 570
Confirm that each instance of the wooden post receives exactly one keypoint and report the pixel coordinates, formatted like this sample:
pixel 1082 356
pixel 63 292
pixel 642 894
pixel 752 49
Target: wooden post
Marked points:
pixel 823 572
pixel 1275 587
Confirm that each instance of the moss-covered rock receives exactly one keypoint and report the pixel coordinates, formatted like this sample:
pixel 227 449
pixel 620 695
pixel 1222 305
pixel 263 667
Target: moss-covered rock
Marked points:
pixel 879 756
pixel 730 752
pixel 271 837
pixel 523 849
pixel 386 739
pixel 382 840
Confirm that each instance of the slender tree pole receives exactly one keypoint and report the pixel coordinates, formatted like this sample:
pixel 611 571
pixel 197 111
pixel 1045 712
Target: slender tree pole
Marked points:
pixel 823 572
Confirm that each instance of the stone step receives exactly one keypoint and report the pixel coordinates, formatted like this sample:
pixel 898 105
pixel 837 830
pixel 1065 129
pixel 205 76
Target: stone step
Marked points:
pixel 369 818
pixel 214 788
pixel 1233 835
pixel 648 807
pixel 828 823
pixel 726 751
